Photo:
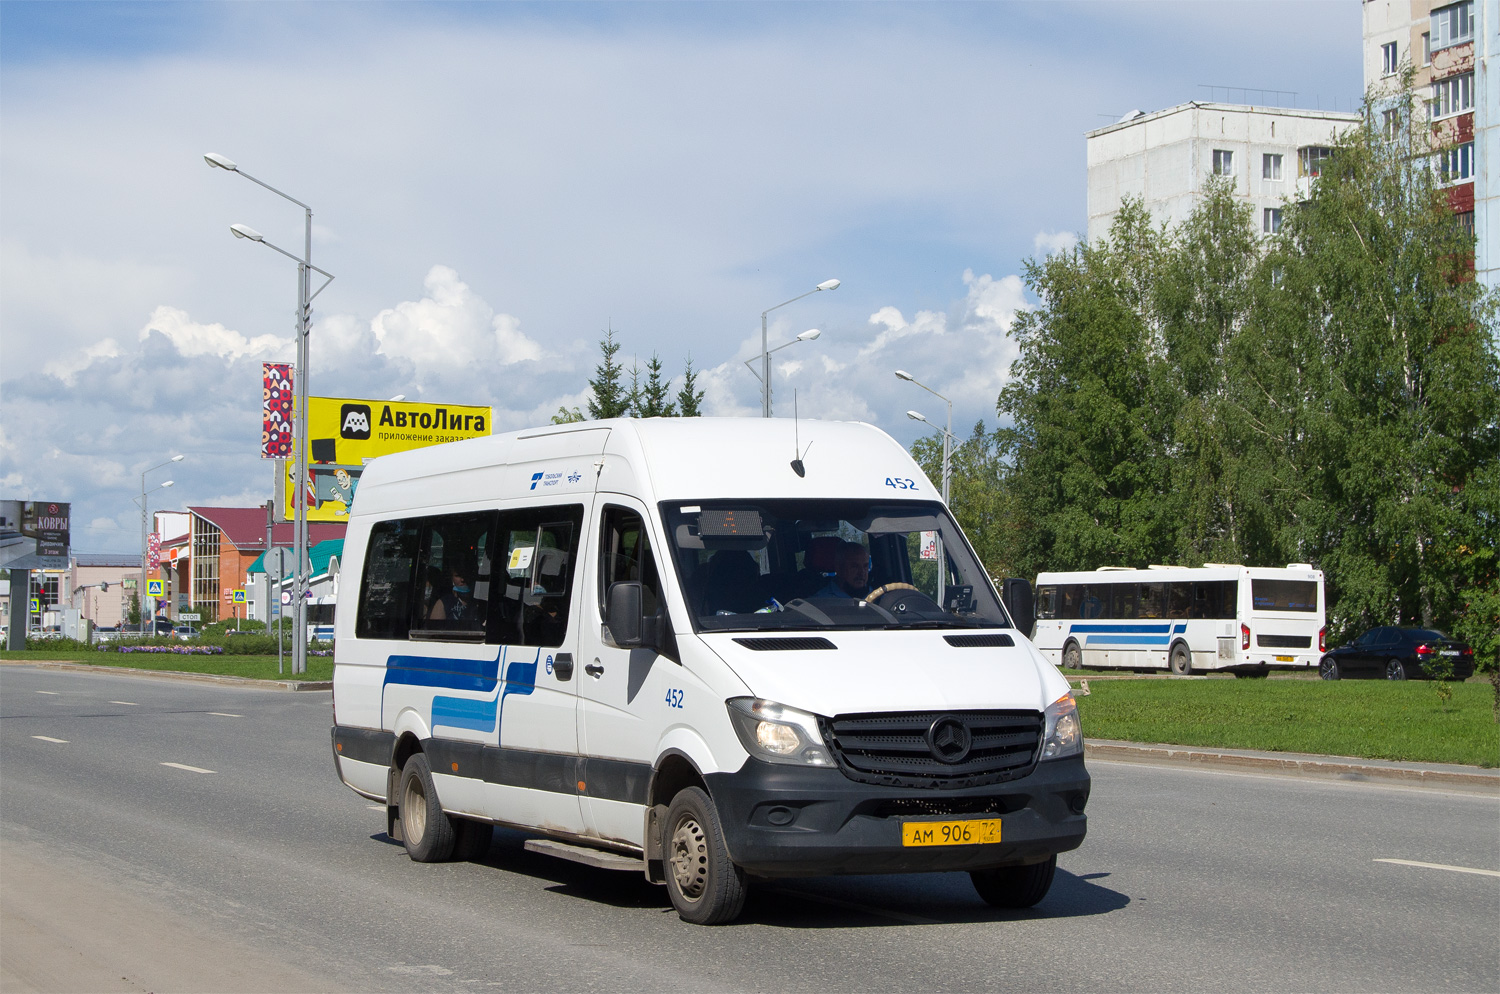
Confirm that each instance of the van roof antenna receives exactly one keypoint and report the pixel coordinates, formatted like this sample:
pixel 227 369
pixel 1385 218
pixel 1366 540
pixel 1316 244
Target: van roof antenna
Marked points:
pixel 797 466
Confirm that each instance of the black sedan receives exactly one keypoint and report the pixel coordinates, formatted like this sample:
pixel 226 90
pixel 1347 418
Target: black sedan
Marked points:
pixel 1397 654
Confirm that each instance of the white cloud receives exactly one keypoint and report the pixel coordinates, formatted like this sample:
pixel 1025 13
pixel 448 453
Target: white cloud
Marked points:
pixel 450 328
pixel 1052 242
pixel 194 339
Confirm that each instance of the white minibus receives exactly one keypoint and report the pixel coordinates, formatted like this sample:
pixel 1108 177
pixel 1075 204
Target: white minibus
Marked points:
pixel 1245 619
pixel 706 650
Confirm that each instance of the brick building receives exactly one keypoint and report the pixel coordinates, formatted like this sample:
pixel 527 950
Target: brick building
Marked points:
pixel 224 542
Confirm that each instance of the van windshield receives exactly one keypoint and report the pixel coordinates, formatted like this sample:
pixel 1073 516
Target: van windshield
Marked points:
pixel 762 565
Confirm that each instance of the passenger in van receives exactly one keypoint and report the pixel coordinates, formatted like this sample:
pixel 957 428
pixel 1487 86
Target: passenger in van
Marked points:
pixel 457 605
pixel 851 574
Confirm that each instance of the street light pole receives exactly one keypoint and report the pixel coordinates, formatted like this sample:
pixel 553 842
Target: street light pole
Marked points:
pixel 305 296
pixel 140 595
pixel 947 466
pixel 765 352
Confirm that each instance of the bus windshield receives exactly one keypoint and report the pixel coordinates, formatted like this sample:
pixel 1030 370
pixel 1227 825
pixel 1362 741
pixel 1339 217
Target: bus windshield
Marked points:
pixel 760 565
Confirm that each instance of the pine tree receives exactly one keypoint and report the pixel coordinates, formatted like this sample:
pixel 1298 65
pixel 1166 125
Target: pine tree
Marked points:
pixel 633 398
pixel 654 401
pixel 608 400
pixel 689 401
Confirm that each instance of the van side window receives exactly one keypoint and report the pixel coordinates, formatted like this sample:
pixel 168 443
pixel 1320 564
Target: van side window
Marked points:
pixel 453 577
pixel 385 594
pixel 625 555
pixel 537 549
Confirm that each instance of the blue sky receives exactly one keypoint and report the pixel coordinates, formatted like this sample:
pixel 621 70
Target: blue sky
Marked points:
pixel 495 184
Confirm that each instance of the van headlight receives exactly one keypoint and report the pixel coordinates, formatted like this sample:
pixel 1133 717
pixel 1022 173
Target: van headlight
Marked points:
pixel 1064 735
pixel 778 734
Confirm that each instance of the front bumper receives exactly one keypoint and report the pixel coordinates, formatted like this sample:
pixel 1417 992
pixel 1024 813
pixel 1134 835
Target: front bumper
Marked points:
pixel 789 821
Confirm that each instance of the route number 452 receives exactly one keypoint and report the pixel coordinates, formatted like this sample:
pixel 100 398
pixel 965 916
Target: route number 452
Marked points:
pixel 674 698
pixel 900 483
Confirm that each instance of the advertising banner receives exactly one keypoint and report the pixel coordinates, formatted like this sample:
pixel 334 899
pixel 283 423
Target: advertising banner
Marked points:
pixel 276 410
pixel 34 534
pixel 344 434
pixel 153 551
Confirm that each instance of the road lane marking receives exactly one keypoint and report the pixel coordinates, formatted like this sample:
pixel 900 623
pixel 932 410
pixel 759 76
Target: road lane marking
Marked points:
pixel 226 714
pixel 53 693
pixel 184 766
pixel 48 738
pixel 1441 866
pixel 129 704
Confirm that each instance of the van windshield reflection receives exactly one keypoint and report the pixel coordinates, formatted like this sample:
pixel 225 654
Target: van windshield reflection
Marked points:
pixel 763 565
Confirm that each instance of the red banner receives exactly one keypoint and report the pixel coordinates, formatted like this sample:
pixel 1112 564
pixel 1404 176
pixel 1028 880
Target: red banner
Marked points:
pixel 276 410
pixel 153 551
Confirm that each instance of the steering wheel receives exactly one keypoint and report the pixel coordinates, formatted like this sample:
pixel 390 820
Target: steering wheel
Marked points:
pixel 880 592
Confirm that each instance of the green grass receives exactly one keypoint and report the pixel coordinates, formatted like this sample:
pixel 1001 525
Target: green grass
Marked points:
pixel 254 667
pixel 1371 719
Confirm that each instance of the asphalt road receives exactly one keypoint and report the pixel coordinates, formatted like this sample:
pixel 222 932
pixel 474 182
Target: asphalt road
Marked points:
pixel 119 871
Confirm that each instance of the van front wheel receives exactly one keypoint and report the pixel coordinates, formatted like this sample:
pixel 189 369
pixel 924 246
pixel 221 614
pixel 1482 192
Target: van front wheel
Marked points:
pixel 705 886
pixel 428 833
pixel 1015 886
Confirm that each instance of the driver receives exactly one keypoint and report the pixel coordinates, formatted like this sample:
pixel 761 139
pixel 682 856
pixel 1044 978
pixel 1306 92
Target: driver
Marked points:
pixel 851 576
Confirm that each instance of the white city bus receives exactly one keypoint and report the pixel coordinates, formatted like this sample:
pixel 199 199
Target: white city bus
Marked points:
pixel 1215 617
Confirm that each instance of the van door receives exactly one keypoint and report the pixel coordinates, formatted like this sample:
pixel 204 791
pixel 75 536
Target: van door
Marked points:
pixel 623 693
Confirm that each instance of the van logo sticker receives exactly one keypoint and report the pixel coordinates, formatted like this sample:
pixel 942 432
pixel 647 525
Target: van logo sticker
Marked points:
pixel 535 477
pixel 949 740
pixel 574 476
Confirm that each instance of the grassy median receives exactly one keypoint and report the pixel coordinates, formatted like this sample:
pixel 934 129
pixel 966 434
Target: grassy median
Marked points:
pixel 253 667
pixel 1372 719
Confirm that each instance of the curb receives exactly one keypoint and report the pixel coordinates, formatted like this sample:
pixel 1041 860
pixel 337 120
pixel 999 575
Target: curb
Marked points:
pixel 238 681
pixel 1300 764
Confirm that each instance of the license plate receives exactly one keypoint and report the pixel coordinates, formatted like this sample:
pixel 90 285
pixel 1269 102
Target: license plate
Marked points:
pixel 1283 659
pixel 1450 652
pixel 965 832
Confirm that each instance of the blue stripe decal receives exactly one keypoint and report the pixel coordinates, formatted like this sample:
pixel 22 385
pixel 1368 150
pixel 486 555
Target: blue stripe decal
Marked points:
pixel 1127 640
pixel 1126 629
pixel 479 675
pixel 1179 629
pixel 459 712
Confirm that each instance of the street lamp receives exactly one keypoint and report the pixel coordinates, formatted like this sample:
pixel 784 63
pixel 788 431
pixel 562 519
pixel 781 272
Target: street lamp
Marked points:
pixel 305 298
pixel 141 500
pixel 809 335
pixel 765 353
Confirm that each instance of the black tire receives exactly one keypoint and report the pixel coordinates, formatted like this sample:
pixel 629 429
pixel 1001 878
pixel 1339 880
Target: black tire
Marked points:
pixel 1180 662
pixel 1015 886
pixel 1072 657
pixel 1395 669
pixel 1328 668
pixel 428 833
pixel 705 886
pixel 471 839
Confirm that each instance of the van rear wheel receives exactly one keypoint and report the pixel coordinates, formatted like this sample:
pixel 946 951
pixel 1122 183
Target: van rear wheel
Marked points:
pixel 1015 886
pixel 1181 661
pixel 705 886
pixel 428 834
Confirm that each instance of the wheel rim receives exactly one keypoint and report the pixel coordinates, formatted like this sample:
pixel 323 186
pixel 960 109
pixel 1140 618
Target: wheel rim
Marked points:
pixel 414 810
pixel 1394 670
pixel 1179 660
pixel 1326 670
pixel 690 858
pixel 1072 659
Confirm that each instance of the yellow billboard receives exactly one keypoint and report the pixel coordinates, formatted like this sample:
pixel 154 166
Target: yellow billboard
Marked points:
pixel 344 434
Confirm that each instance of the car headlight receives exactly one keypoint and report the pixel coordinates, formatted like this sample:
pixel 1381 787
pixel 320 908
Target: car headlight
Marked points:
pixel 778 734
pixel 1064 735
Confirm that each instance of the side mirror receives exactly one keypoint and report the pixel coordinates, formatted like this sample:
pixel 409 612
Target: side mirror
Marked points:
pixel 624 613
pixel 1016 594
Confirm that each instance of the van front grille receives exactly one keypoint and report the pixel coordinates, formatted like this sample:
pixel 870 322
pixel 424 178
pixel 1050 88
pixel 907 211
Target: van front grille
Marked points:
pixel 940 749
pixel 1284 641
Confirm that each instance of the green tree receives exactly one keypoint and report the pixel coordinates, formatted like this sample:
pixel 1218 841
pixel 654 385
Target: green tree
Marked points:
pixel 567 416
pixel 980 496
pixel 655 399
pixel 609 399
pixel 689 399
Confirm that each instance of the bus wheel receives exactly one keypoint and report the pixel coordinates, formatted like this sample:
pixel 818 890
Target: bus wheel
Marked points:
pixel 1181 661
pixel 1328 668
pixel 1072 656
pixel 428 832
pixel 705 886
pixel 1015 886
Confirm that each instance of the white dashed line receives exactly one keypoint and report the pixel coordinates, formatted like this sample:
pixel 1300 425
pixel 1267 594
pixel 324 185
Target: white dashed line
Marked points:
pixel 1441 866
pixel 226 714
pixel 50 693
pixel 184 766
pixel 129 704
pixel 48 738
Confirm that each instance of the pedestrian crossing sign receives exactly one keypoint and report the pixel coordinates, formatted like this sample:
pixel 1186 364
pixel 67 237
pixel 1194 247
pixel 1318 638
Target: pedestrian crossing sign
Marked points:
pixel 153 588
pixel 239 597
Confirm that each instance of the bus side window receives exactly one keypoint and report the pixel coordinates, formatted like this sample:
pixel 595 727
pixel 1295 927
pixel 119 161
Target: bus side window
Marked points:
pixel 1122 600
pixel 1153 600
pixel 1229 598
pixel 1095 602
pixel 1179 597
pixel 1046 601
pixel 1072 600
pixel 385 594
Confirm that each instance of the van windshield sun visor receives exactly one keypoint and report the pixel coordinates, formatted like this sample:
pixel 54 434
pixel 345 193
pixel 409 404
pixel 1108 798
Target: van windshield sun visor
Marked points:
pixel 799 565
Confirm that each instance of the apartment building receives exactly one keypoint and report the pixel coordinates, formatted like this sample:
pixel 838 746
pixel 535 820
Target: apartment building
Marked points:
pixel 1451 48
pixel 1167 157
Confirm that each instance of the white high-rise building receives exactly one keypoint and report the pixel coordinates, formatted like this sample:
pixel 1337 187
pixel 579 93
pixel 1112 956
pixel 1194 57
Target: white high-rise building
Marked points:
pixel 1167 157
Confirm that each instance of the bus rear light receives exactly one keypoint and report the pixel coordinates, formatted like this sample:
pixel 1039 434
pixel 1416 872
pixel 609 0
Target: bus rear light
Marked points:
pixel 1323 639
pixel 1244 636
